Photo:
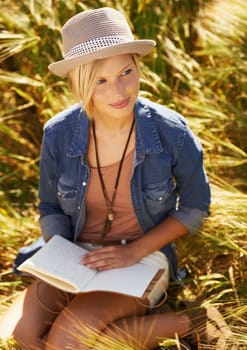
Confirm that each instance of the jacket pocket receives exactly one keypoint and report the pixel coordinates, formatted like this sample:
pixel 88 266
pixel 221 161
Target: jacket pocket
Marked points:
pixel 159 195
pixel 67 197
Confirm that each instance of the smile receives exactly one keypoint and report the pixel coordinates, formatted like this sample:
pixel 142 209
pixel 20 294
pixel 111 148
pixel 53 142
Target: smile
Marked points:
pixel 120 104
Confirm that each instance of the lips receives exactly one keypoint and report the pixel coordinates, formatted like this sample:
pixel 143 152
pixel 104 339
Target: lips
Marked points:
pixel 120 104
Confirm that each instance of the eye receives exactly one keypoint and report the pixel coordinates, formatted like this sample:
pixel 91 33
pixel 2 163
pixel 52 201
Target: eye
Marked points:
pixel 126 72
pixel 100 81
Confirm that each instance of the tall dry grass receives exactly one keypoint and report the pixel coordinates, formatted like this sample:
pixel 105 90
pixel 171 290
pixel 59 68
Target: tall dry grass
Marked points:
pixel 198 68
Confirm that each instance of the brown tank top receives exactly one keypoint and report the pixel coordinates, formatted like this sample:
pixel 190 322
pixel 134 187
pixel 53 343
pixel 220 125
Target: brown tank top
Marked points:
pixel 125 224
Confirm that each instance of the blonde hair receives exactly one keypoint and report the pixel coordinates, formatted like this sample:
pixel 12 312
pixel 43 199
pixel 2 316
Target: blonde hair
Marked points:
pixel 83 78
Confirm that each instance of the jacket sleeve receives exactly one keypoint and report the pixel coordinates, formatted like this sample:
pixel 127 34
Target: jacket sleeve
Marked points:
pixel 53 220
pixel 192 184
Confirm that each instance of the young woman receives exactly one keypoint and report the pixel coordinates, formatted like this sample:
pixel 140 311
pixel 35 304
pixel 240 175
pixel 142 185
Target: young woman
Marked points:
pixel 120 175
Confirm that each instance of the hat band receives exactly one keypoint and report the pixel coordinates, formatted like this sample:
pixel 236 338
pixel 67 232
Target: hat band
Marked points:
pixel 93 45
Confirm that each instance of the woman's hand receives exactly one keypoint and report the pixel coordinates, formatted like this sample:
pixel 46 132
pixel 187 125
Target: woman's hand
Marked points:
pixel 110 257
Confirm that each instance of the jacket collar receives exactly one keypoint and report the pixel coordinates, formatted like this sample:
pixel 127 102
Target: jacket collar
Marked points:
pixel 148 140
pixel 79 143
pixel 147 137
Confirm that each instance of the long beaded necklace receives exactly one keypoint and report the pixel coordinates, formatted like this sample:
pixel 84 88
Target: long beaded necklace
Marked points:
pixel 109 202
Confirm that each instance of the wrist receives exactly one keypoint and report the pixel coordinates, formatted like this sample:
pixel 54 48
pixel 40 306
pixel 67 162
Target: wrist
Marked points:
pixel 138 250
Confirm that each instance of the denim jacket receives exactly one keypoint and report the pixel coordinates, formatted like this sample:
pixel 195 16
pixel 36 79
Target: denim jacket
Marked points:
pixel 168 177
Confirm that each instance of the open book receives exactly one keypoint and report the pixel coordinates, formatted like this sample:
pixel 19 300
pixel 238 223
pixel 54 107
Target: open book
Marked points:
pixel 58 263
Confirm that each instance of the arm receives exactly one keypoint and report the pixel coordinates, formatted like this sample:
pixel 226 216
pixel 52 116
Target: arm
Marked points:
pixel 52 218
pixel 192 185
pixel 193 205
pixel 167 231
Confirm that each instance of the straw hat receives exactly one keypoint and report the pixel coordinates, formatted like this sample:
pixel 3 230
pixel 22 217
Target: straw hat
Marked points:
pixel 97 34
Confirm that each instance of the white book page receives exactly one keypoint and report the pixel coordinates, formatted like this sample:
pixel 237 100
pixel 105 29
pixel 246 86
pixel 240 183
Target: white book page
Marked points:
pixel 132 280
pixel 56 281
pixel 59 259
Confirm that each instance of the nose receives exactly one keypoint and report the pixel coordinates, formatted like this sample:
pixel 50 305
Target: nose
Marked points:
pixel 117 87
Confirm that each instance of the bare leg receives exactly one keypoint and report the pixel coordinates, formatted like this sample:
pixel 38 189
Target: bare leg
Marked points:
pixel 145 332
pixel 86 316
pixel 41 304
pixel 206 327
pixel 92 318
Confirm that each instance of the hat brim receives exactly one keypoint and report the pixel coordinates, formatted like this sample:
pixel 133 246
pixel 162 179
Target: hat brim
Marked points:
pixel 139 47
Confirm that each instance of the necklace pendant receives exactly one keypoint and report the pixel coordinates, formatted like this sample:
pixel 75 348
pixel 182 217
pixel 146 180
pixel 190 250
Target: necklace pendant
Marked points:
pixel 110 216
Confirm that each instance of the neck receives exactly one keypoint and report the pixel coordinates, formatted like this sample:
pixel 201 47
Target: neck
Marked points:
pixel 113 125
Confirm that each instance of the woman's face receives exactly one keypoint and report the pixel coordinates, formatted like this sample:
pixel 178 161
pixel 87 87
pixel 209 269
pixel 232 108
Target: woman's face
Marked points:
pixel 116 88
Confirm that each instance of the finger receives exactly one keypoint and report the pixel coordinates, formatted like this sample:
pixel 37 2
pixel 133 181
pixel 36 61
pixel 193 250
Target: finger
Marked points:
pixel 101 265
pixel 99 260
pixel 100 253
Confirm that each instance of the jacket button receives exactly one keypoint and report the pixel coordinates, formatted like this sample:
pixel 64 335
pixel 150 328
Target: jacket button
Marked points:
pixel 84 183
